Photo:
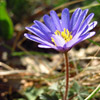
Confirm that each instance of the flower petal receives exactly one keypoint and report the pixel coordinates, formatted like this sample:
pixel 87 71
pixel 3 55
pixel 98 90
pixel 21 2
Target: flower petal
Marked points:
pixel 47 46
pixel 65 18
pixel 89 27
pixel 49 23
pixel 56 20
pixel 43 46
pixel 74 18
pixel 73 42
pixel 36 39
pixel 86 22
pixel 42 27
pixel 79 21
pixel 86 36
pixel 38 32
pixel 35 31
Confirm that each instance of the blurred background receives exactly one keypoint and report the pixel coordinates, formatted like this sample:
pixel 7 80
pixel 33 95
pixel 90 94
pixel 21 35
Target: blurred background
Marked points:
pixel 31 73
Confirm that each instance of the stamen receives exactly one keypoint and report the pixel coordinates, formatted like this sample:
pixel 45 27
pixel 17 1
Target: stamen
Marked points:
pixel 57 32
pixel 52 39
pixel 64 30
pixel 65 34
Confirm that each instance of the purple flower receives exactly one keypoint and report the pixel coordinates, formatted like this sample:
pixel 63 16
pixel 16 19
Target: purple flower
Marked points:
pixel 62 34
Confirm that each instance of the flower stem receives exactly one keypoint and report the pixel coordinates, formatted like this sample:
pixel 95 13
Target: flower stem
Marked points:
pixel 66 75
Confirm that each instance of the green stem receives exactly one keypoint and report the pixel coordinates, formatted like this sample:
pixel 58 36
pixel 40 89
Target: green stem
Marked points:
pixel 67 76
pixel 93 93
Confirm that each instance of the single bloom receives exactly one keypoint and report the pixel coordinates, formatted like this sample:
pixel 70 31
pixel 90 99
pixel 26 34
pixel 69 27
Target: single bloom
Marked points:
pixel 62 33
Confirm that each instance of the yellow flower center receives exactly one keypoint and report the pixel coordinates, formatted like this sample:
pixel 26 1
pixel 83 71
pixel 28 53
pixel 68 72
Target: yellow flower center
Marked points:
pixel 65 34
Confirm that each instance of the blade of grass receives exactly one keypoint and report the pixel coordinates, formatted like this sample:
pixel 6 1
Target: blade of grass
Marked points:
pixel 85 7
pixel 21 53
pixel 93 93
pixel 93 42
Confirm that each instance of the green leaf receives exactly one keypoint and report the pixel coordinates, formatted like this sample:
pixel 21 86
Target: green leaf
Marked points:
pixel 32 93
pixel 45 97
pixel 54 87
pixel 84 94
pixel 98 1
pixel 6 25
pixel 48 97
pixel 80 98
pixel 76 86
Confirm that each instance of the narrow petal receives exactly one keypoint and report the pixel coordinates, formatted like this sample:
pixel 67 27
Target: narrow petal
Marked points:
pixel 49 23
pixel 47 46
pixel 44 29
pixel 86 22
pixel 34 25
pixel 65 18
pixel 36 39
pixel 43 46
pixel 86 36
pixel 80 20
pixel 89 27
pixel 56 20
pixel 38 33
pixel 73 42
pixel 74 18
pixel 35 31
pixel 92 25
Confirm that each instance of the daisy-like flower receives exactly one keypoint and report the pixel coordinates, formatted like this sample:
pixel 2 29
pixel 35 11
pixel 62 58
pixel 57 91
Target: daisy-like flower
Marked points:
pixel 62 34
